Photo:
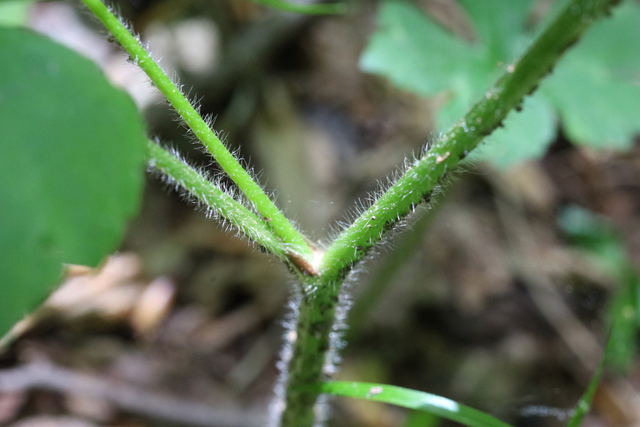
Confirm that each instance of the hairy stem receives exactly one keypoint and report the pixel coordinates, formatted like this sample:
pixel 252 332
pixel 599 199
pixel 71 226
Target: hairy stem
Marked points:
pixel 220 203
pixel 296 243
pixel 316 317
pixel 314 320
pixel 520 79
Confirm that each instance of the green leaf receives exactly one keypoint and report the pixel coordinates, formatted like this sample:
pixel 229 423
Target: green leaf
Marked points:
pixel 596 88
pixel 499 24
pixel 73 150
pixel 398 50
pixel 593 90
pixel 613 43
pixel 412 399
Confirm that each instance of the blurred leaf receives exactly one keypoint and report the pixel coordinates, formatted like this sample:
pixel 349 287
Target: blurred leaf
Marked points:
pixel 499 25
pixel 412 399
pixel 73 152
pixel 593 90
pixel 597 236
pixel 416 53
pixel 597 87
pixel 612 44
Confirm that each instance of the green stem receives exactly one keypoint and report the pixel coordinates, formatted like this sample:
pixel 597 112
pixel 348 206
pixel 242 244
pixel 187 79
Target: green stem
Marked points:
pixel 220 203
pixel 485 116
pixel 316 317
pixel 296 243
pixel 319 302
pixel 584 404
pixel 308 9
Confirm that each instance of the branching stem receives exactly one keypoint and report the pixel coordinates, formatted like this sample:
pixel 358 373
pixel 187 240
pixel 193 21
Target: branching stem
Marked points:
pixel 320 289
pixel 296 243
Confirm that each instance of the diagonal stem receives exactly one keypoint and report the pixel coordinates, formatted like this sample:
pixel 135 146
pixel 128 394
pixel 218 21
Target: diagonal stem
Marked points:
pixel 520 80
pixel 215 199
pixel 297 246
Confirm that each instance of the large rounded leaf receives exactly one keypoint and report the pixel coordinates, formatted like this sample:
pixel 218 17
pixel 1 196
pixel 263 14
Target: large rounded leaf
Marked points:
pixel 71 162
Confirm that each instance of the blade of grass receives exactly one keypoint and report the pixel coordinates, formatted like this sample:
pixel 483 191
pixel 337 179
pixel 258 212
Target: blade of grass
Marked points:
pixel 307 9
pixel 422 419
pixel 300 252
pixel 411 399
pixel 624 315
pixel 584 404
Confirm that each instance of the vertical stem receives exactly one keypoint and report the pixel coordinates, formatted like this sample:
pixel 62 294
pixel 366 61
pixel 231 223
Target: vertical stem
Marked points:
pixel 315 322
pixel 282 227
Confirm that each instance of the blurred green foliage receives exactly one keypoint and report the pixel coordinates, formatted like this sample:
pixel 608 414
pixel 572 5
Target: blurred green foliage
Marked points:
pixel 595 235
pixel 594 91
pixel 14 12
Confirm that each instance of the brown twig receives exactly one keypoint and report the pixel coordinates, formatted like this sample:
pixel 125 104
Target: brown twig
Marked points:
pixel 43 375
